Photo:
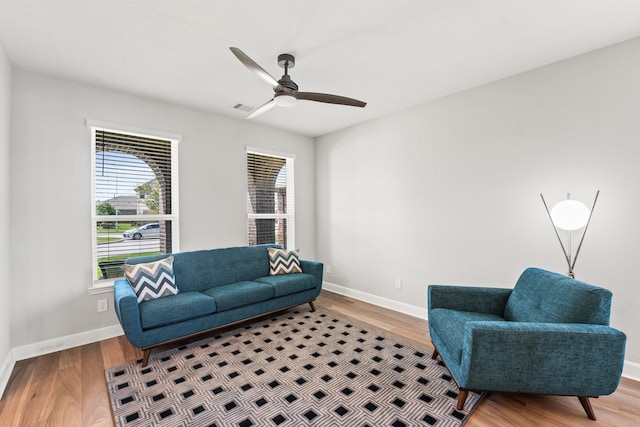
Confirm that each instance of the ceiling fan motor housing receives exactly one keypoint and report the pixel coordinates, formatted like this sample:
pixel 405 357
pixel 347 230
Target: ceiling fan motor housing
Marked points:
pixel 286 60
pixel 286 82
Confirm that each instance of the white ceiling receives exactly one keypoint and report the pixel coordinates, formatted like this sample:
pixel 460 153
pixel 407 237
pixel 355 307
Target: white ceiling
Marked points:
pixel 393 54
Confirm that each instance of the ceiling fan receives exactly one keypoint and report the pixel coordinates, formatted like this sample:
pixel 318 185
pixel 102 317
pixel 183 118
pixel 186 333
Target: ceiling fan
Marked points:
pixel 286 90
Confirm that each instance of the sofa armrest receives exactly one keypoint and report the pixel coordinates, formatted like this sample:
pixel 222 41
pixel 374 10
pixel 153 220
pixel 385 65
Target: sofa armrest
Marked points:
pixel 314 268
pixel 545 358
pixel 127 310
pixel 468 298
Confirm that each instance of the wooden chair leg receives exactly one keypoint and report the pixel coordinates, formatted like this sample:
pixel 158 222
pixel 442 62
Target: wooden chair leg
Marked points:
pixel 145 357
pixel 313 308
pixel 462 397
pixel 434 354
pixel 586 405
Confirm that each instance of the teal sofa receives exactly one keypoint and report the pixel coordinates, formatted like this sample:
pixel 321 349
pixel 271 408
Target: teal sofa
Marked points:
pixel 217 288
pixel 550 334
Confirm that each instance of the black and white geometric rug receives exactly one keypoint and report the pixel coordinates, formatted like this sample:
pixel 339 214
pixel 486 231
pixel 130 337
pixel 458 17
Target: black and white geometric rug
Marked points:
pixel 300 368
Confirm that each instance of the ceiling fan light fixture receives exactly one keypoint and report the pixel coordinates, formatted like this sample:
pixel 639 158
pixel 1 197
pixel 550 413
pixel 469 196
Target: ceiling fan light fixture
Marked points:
pixel 285 100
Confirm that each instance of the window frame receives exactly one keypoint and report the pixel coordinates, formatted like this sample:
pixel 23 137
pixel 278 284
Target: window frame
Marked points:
pixel 290 216
pixel 106 284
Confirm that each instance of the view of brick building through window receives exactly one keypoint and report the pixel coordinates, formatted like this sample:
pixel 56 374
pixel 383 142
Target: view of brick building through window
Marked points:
pixel 133 199
pixel 270 200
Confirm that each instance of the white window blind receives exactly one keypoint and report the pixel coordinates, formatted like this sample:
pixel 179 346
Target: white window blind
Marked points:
pixel 270 199
pixel 134 209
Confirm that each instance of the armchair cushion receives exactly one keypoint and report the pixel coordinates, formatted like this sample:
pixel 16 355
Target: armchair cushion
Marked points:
pixel 543 296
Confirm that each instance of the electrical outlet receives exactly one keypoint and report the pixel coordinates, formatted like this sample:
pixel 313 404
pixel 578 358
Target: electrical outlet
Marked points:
pixel 328 269
pixel 102 305
pixel 398 283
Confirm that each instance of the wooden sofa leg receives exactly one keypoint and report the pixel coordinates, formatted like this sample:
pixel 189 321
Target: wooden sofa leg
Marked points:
pixel 586 405
pixel 145 357
pixel 313 308
pixel 462 397
pixel 434 354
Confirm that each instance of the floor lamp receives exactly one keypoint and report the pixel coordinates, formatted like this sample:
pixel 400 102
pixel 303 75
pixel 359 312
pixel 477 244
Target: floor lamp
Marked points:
pixel 570 215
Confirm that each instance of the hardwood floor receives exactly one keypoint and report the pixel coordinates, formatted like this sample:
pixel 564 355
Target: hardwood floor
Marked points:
pixel 68 388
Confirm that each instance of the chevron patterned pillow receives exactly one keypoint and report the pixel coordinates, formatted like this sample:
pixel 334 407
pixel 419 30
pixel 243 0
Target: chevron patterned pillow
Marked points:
pixel 282 261
pixel 152 280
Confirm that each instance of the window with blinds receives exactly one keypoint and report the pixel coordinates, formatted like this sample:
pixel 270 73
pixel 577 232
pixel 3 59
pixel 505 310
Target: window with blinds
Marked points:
pixel 134 208
pixel 270 199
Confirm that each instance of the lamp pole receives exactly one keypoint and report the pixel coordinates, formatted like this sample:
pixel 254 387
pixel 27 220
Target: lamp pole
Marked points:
pixel 564 251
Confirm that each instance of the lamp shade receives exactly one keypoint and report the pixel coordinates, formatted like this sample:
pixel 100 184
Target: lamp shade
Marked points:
pixel 285 100
pixel 570 215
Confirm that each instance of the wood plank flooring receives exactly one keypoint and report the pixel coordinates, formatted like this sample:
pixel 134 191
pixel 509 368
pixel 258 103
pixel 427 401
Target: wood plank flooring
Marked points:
pixel 68 388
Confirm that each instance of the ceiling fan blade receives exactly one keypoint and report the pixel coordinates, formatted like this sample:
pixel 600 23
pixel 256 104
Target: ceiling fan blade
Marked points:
pixel 262 109
pixel 330 99
pixel 253 66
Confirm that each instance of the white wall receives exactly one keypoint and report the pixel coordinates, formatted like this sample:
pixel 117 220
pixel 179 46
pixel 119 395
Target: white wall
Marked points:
pixel 448 192
pixel 50 194
pixel 6 360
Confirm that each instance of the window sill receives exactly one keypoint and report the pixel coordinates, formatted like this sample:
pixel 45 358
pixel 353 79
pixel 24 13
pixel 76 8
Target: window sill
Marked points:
pixel 102 287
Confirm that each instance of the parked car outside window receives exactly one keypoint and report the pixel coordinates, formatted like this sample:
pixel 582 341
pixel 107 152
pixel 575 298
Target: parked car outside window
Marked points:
pixel 148 231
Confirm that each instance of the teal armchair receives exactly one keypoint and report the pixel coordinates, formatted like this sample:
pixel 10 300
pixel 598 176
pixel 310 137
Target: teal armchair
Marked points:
pixel 550 334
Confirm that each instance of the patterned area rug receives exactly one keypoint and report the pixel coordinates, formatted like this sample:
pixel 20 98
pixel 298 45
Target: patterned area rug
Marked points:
pixel 296 369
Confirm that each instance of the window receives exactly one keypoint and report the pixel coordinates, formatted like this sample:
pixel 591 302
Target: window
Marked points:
pixel 270 199
pixel 135 200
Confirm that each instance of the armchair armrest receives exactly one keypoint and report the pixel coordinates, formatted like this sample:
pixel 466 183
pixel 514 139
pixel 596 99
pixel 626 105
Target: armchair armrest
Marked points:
pixel 468 298
pixel 546 358
pixel 127 310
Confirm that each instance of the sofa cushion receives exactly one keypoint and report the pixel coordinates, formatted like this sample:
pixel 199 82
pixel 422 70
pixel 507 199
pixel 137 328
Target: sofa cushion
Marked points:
pixel 200 270
pixel 151 280
pixel 240 264
pixel 177 308
pixel 194 270
pixel 239 294
pixel 546 297
pixel 282 261
pixel 286 284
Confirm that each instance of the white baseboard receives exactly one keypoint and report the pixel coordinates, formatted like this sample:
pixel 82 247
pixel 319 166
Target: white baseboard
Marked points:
pixel 62 343
pixel 630 370
pixel 402 307
pixel 5 371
